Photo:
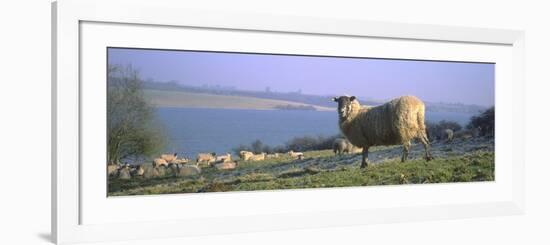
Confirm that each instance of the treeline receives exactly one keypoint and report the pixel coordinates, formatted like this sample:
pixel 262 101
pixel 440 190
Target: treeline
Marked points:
pixel 304 143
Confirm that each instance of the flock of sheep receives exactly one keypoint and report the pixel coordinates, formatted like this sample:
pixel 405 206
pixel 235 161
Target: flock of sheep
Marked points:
pixel 184 167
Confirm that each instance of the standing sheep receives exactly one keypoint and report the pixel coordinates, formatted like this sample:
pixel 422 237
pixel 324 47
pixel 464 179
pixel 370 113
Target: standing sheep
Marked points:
pixel 169 158
pixel 394 123
pixel 447 135
pixel 206 157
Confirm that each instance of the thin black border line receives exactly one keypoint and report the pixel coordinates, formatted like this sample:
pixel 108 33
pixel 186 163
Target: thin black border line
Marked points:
pixel 295 55
pixel 107 120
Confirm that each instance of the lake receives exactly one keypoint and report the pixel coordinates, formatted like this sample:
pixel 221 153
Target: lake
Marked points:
pixel 194 130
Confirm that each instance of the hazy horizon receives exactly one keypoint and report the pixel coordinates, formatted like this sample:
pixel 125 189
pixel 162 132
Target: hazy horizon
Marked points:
pixel 379 79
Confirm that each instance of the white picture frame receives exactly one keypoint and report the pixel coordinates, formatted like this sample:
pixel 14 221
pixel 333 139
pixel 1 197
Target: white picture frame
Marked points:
pixel 68 18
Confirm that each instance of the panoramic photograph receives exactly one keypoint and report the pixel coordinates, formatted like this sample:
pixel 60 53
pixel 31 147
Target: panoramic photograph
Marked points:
pixel 182 121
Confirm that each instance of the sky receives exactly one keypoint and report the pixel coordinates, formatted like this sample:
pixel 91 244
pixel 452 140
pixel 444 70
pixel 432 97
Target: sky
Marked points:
pixel 381 79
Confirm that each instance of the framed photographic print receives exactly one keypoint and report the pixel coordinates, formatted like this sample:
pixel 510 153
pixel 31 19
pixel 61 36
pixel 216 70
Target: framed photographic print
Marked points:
pixel 276 122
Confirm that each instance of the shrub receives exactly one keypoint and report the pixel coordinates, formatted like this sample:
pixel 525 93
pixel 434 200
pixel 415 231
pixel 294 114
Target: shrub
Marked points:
pixel 485 122
pixel 257 146
pixel 304 143
pixel 310 143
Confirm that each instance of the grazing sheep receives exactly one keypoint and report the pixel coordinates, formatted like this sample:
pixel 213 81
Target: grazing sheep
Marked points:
pixel 224 158
pixel 342 145
pixel 394 123
pixel 189 170
pixel 157 162
pixel 169 158
pixel 296 154
pixel 245 155
pixel 225 165
pixel 274 155
pixel 257 157
pixel 447 135
pixel 207 158
pixel 339 146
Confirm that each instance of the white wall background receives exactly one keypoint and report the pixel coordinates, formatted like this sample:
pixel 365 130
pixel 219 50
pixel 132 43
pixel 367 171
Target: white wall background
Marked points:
pixel 25 122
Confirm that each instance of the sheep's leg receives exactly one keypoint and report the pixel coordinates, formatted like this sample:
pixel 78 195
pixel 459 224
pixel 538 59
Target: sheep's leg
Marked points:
pixel 406 148
pixel 426 143
pixel 365 159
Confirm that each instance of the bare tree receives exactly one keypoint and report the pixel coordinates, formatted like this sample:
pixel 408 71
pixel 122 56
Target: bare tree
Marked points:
pixel 132 130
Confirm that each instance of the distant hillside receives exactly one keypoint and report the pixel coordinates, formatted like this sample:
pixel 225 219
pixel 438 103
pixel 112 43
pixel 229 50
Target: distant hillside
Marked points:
pixel 297 97
pixel 165 98
pixel 324 101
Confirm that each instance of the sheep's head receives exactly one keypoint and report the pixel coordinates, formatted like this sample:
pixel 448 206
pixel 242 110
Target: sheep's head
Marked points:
pixel 344 105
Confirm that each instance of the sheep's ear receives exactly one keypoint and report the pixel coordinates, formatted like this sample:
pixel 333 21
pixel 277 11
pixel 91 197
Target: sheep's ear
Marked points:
pixel 335 99
pixel 352 98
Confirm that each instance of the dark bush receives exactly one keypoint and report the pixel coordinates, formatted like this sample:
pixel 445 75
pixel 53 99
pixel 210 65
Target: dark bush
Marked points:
pixel 304 143
pixel 309 143
pixel 257 146
pixel 484 122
